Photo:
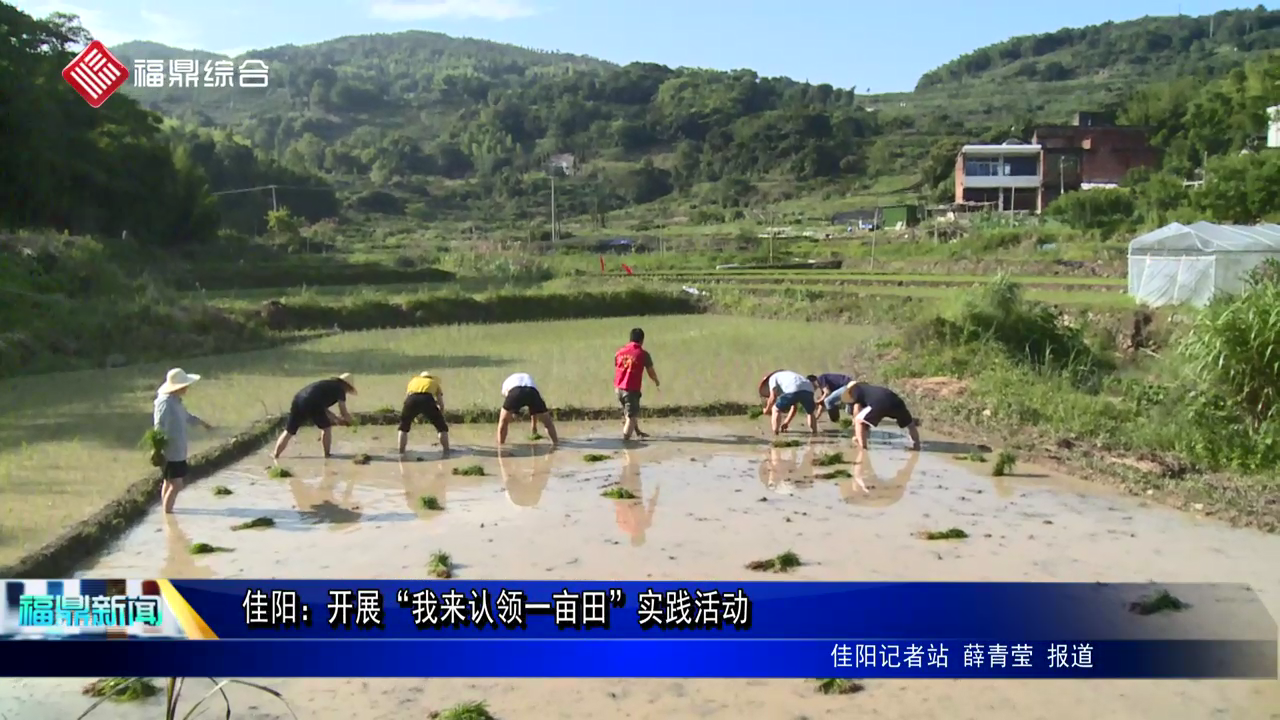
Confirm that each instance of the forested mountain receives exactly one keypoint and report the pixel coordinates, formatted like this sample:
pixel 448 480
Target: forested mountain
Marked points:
pixel 117 169
pixel 1150 48
pixel 440 128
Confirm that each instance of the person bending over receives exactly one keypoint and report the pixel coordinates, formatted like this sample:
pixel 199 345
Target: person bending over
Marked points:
pixel 311 405
pixel 784 392
pixel 829 386
pixel 871 405
pixel 424 397
pixel 520 392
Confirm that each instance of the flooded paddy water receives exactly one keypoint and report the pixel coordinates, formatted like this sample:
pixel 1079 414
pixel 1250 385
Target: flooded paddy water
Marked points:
pixel 712 496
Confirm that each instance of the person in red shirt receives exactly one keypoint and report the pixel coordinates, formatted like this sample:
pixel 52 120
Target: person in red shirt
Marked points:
pixel 630 364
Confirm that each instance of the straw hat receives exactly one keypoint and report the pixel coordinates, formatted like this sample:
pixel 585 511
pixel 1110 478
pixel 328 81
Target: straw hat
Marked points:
pixel 176 379
pixel 846 395
pixel 425 374
pixel 764 382
pixel 351 383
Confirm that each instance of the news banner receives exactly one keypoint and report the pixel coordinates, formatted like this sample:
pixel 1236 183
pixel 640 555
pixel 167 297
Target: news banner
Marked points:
pixel 450 628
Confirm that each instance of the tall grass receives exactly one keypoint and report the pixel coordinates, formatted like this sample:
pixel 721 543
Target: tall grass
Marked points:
pixel 1232 357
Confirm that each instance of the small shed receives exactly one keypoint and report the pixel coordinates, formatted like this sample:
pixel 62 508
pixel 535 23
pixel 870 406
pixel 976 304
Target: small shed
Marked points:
pixel 1188 264
pixel 904 215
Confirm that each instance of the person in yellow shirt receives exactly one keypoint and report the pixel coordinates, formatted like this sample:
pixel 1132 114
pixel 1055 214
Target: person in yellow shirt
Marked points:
pixel 424 397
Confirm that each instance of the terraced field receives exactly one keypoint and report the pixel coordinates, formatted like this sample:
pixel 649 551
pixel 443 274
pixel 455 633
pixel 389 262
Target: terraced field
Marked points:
pixel 1086 291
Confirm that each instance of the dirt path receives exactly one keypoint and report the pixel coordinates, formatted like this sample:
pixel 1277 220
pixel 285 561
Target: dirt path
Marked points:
pixel 713 496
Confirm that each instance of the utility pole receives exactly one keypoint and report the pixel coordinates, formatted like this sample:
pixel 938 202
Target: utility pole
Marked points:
pixel 555 235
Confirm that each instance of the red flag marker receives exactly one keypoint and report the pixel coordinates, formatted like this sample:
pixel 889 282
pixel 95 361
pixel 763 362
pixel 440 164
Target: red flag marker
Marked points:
pixel 602 264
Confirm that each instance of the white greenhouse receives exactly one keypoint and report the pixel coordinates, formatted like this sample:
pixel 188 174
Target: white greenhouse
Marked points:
pixel 1187 264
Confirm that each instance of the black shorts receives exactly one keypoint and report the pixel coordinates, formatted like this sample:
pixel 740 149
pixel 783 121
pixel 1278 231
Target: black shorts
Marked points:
pixel 175 470
pixel 423 404
pixel 525 397
pixel 301 413
pixel 895 410
pixel 630 402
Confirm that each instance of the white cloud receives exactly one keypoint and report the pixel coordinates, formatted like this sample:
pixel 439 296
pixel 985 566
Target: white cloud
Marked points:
pixel 234 52
pixel 406 10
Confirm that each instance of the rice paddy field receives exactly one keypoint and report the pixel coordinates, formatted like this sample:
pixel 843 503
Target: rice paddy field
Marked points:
pixel 69 441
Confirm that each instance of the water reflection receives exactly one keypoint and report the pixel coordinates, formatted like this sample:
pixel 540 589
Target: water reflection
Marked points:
pixel 866 489
pixel 524 477
pixel 178 561
pixel 784 470
pixel 317 503
pixel 634 516
pixel 423 480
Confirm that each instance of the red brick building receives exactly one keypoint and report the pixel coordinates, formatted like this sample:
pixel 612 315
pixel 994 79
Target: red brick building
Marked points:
pixel 1091 152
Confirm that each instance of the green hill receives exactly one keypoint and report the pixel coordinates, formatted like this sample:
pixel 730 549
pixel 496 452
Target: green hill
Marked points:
pixel 1150 48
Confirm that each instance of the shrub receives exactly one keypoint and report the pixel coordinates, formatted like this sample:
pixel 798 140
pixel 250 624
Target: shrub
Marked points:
pixel 1027 331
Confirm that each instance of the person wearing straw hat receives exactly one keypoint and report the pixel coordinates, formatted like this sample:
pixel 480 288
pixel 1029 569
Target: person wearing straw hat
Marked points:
pixel 311 405
pixel 871 405
pixel 784 391
pixel 172 418
pixel 424 397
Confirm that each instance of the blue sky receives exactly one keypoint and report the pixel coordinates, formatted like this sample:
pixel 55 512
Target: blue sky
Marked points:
pixel 848 43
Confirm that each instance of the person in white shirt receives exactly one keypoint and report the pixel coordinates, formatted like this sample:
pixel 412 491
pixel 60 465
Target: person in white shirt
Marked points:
pixel 519 392
pixel 784 392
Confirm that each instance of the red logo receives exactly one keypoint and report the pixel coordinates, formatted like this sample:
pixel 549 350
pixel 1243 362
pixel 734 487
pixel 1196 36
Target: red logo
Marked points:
pixel 96 74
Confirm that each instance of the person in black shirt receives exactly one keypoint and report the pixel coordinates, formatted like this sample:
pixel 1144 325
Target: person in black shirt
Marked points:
pixel 872 404
pixel 311 405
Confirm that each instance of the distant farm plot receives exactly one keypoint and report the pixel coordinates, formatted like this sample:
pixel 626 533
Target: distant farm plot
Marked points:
pixel 846 277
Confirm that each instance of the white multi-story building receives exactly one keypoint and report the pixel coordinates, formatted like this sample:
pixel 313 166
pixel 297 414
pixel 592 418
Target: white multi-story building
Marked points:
pixel 1273 127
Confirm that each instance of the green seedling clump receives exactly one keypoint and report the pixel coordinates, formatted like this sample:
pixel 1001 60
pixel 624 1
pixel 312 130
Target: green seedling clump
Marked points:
pixel 1004 464
pixel 617 492
pixel 261 522
pixel 362 459
pixel 755 414
pixel 153 443
pixel 465 711
pixel 951 534
pixel 535 435
pixel 429 502
pixel 973 457
pixel 828 459
pixel 440 566
pixel 222 491
pixel 1163 601
pixel 122 689
pixel 839 686
pixel 846 423
pixel 595 457
pixel 786 562
pixel 279 471
pixel 205 549
pixel 783 443
pixel 837 474
pixel 469 471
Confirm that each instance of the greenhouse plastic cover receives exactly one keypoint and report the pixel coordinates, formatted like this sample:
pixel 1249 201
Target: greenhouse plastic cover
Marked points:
pixel 1189 264
pixel 1205 237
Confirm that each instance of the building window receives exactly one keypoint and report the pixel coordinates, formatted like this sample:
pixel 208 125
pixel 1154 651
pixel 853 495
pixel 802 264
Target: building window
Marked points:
pixel 982 168
pixel 1022 166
